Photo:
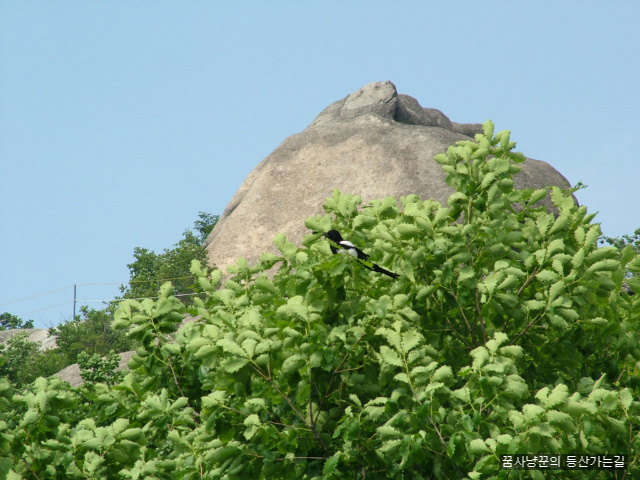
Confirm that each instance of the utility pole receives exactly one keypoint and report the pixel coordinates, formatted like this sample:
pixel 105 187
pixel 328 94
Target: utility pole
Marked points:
pixel 74 302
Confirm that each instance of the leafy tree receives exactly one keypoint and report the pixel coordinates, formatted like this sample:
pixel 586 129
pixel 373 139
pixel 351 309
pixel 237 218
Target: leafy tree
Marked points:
pixel 205 225
pixel 621 242
pixel 150 270
pixel 90 333
pixel 507 332
pixel 42 364
pixel 97 369
pixel 9 322
pixel 19 354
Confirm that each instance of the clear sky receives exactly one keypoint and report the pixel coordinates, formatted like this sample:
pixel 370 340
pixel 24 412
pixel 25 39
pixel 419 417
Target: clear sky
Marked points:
pixel 121 120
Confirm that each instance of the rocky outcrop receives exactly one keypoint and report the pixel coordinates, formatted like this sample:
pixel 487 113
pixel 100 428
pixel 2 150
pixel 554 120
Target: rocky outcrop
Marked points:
pixel 37 335
pixel 374 143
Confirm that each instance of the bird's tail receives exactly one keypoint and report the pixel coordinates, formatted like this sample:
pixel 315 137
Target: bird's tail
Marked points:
pixel 379 269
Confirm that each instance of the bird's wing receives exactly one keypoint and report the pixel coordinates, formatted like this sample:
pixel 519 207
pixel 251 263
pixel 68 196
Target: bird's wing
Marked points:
pixel 353 250
pixel 346 244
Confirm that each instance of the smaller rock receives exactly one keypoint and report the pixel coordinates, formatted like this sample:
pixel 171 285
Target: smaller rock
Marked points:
pixel 71 373
pixel 38 335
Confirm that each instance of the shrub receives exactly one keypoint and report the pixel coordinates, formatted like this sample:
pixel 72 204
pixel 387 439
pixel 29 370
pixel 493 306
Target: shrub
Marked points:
pixel 508 331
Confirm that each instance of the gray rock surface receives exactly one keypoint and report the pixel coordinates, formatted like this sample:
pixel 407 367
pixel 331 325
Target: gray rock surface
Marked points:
pixel 38 335
pixel 373 143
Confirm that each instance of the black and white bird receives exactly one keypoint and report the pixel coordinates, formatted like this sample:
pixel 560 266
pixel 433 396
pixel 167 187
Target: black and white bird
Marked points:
pixel 341 246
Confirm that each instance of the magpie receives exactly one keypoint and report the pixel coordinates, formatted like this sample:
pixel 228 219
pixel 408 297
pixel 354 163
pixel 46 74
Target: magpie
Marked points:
pixel 346 247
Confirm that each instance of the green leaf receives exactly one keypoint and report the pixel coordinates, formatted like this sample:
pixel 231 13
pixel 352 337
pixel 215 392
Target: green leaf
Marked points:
pixel 364 221
pixel 547 276
pixel 410 340
pixel 626 398
pixel 480 356
pixel 402 377
pixel 231 347
pixel 569 314
pixel 222 454
pixel 603 265
pixel 388 431
pixel 537 195
pixel 559 394
pixel 516 386
pixel 561 419
pixel 555 246
pixel 578 258
pixel 252 419
pixel 319 224
pixel 555 290
pixel 598 321
pixel 628 253
pixel 390 356
pixel 441 214
pixel 543 223
pixel 487 180
pixel 616 425
pixel 234 364
pixel 442 373
pixel 487 128
pixel 293 363
pixel 531 412
pixel 287 248
pixel 134 434
pixel 508 282
pixel 534 305
pixel 602 254
pixel 171 348
pixel 561 224
pixel 592 235
pixel 457 197
pixel 406 230
pixel 477 446
pixel 206 351
pixel 331 464
pixel 466 273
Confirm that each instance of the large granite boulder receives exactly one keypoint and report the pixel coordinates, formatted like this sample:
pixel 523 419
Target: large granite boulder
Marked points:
pixel 373 143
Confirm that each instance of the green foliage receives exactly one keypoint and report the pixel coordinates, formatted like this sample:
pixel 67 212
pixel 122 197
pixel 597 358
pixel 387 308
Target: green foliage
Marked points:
pixel 508 332
pixel 204 225
pixel 38 364
pixel 97 369
pixel 90 333
pixel 19 354
pixel 9 322
pixel 150 269
pixel 621 242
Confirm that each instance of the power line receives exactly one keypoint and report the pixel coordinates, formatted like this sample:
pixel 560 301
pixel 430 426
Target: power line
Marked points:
pixel 103 301
pixel 46 308
pixel 35 296
pixel 93 285
pixel 106 301
pixel 135 281
pixel 139 298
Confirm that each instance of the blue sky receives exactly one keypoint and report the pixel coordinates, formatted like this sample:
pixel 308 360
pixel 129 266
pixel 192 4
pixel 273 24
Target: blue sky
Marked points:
pixel 120 121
